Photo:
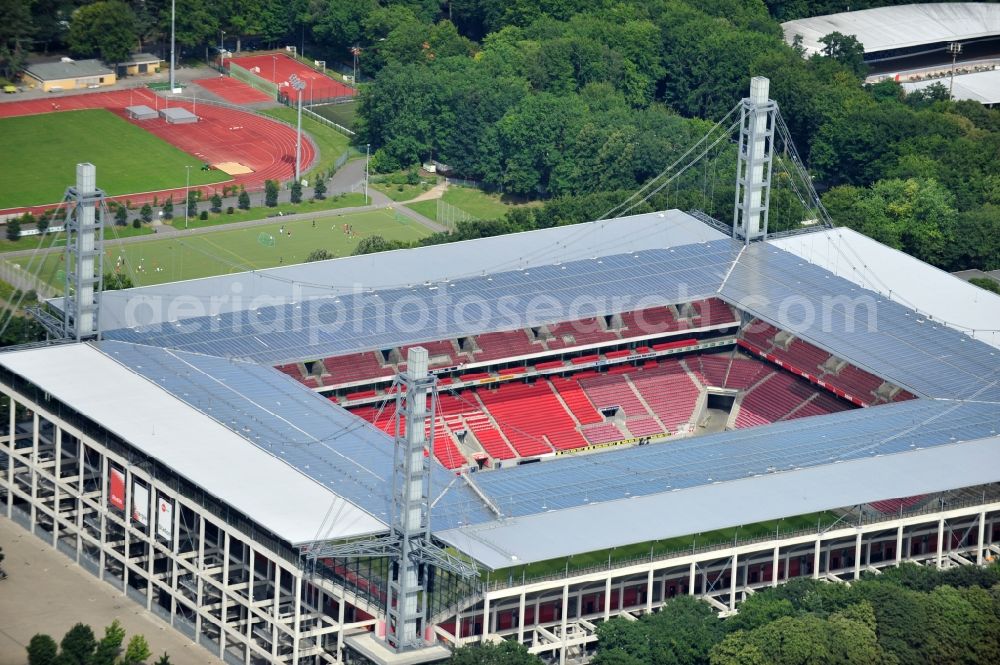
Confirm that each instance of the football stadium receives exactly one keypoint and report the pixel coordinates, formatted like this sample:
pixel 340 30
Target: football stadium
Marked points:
pixel 382 457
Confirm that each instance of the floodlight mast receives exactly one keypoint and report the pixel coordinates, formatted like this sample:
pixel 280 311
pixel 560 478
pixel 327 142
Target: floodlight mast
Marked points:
pixel 753 169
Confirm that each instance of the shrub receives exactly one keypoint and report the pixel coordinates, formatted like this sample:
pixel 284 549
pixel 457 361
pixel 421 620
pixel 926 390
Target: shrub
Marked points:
pixel 204 215
pixel 229 210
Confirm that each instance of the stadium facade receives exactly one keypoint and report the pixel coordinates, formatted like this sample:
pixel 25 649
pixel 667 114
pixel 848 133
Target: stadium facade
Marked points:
pixel 380 457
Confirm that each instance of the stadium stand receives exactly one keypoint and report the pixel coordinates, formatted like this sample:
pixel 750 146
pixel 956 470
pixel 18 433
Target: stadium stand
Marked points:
pixel 745 372
pixel 356 367
pixel 602 433
pixel 576 401
pixel 609 391
pixel 577 333
pixel 893 506
pixel 669 391
pixel 510 344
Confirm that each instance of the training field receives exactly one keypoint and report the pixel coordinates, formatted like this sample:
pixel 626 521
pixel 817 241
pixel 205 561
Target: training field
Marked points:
pixel 222 252
pixel 40 153
pixel 277 68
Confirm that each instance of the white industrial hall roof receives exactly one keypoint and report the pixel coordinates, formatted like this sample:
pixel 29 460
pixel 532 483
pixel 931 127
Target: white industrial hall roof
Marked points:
pixel 900 26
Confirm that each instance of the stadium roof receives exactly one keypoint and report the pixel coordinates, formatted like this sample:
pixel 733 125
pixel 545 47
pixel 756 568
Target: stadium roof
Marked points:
pixel 895 275
pixel 901 26
pixel 817 285
pixel 56 71
pixel 982 87
pixel 196 444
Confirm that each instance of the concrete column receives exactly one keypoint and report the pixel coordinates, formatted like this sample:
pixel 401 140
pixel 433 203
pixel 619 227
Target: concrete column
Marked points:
pixel 940 543
pixel 297 618
pixel 175 547
pixel 607 599
pixel 520 619
pixel 275 609
pixel 981 539
pixel 486 615
pixel 103 512
pixel 79 501
pixel 57 472
pixel 857 555
pixel 224 614
pixel 692 574
pixel 733 573
pixel 775 562
pixel 899 544
pixel 340 633
pixel 565 611
pixel 129 483
pixel 200 568
pixel 649 592
pixel 10 461
pixel 34 470
pixel 816 558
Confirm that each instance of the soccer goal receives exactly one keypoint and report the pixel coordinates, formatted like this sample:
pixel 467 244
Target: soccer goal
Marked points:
pixel 320 65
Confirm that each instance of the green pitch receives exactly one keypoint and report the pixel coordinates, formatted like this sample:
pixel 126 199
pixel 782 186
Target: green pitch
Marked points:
pixel 237 250
pixel 40 153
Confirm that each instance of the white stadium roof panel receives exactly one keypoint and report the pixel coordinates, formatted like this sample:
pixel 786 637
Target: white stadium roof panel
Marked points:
pixel 982 87
pixel 900 26
pixel 901 278
pixel 193 444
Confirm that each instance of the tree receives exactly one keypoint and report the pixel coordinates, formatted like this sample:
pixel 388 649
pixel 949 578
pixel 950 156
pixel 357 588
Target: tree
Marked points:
pixel 319 190
pixel 319 255
pixel 115 281
pixel 42 224
pixel 78 645
pixel 111 644
pixel 192 204
pixel 216 202
pixel 42 650
pixel 13 229
pixel 986 283
pixel 271 193
pixel 373 244
pixel 168 208
pixel 146 213
pixel 243 200
pixel 106 29
pixel 163 660
pixel 847 50
pixel 296 192
pixel 121 216
pixel 137 651
pixel 502 653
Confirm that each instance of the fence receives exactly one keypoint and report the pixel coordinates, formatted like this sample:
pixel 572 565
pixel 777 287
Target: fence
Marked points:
pixel 20 278
pixel 449 215
pixel 253 80
pixel 326 121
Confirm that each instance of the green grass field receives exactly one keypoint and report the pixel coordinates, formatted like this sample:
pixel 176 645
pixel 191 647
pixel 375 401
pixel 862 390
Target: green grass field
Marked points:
pixel 308 205
pixel 40 153
pixel 331 143
pixel 342 114
pixel 399 193
pixel 475 202
pixel 222 252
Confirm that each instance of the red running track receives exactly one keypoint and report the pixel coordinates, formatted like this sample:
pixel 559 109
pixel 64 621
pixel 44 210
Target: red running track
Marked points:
pixel 277 68
pixel 221 135
pixel 233 90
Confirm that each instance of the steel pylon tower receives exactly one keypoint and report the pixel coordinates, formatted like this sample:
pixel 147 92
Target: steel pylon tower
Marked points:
pixel 406 607
pixel 753 168
pixel 83 258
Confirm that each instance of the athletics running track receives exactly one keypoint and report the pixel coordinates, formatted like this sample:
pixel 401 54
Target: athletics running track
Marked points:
pixel 277 68
pixel 220 135
pixel 233 90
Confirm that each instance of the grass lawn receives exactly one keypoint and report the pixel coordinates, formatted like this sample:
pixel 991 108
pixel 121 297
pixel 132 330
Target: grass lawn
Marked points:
pixel 475 202
pixel 342 114
pixel 59 240
pixel 400 192
pixel 235 250
pixel 41 152
pixel 330 142
pixel 659 547
pixel 330 203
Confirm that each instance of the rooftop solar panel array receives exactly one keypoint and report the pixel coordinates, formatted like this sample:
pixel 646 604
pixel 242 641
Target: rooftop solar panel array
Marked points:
pixel 279 415
pixel 364 321
pixel 874 333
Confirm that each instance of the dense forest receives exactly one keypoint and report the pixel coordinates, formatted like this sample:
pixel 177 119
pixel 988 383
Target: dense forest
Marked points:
pixel 580 102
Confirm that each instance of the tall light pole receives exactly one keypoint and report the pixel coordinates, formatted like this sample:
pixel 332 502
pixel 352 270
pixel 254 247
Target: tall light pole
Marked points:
pixel 173 22
pixel 222 47
pixel 299 86
pixel 355 51
pixel 187 194
pixel 954 48
pixel 367 154
pixel 274 69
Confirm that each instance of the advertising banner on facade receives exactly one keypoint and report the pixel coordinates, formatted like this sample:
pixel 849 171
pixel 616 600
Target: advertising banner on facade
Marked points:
pixel 116 497
pixel 164 517
pixel 140 504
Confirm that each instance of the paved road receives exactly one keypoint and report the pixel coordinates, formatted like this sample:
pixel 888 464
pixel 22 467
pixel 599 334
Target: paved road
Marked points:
pixel 48 593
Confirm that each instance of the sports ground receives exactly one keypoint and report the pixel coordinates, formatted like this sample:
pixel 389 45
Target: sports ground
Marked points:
pixel 128 158
pixel 278 68
pixel 255 247
pixel 233 90
pixel 221 136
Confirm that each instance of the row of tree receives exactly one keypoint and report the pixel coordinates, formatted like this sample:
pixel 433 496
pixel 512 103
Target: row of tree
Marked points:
pixel 79 646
